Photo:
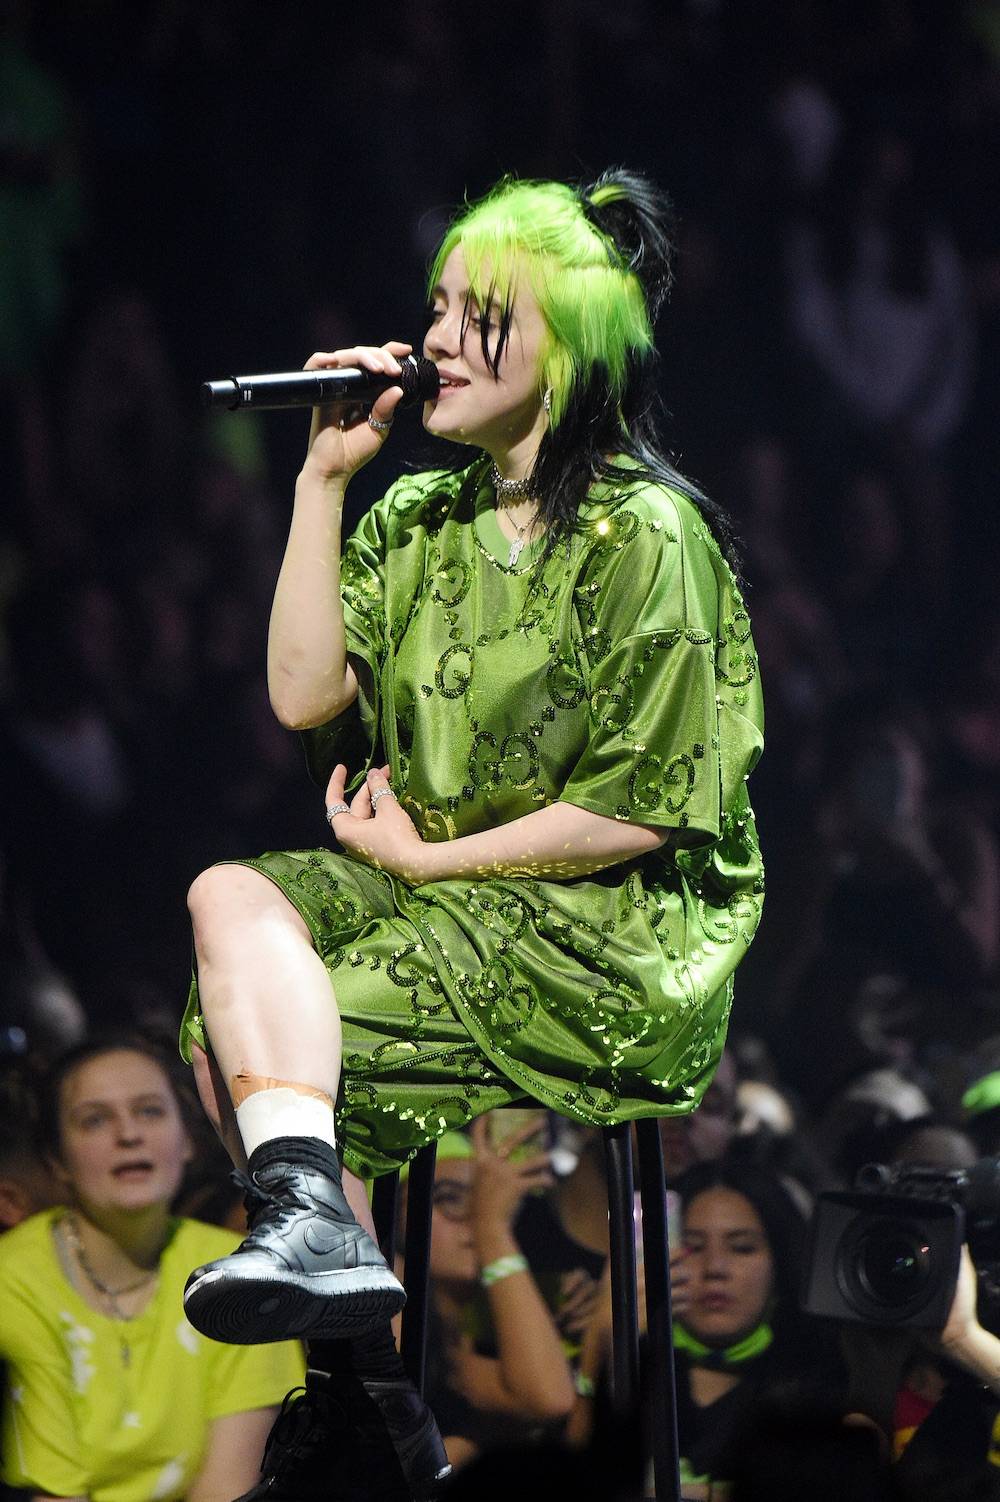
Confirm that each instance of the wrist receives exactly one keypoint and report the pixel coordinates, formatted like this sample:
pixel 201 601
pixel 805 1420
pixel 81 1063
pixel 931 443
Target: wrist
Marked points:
pixel 500 1268
pixel 495 1240
pixel 313 478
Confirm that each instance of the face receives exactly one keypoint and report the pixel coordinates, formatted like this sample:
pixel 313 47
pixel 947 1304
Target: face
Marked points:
pixel 474 406
pixel 453 1256
pixel 123 1143
pixel 730 1267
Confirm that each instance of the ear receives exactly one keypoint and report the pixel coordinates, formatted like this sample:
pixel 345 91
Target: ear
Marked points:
pixel 16 1204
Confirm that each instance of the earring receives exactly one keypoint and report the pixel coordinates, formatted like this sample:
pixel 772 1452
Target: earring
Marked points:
pixel 547 399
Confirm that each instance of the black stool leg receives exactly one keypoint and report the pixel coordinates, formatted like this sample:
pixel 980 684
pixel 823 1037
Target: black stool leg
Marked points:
pixel 419 1204
pixel 385 1197
pixel 624 1299
pixel 656 1262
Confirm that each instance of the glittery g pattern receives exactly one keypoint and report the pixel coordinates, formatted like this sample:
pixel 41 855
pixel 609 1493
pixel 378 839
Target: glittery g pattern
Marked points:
pixel 617 674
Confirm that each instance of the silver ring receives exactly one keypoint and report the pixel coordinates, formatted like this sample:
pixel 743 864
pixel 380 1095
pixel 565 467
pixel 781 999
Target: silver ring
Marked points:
pixel 334 809
pixel 377 425
pixel 381 793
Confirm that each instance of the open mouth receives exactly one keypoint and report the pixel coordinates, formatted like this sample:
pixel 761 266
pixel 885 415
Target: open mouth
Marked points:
pixel 138 1169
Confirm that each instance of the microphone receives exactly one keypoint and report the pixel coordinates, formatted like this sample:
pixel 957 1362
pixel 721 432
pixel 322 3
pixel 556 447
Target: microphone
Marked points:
pixel 314 388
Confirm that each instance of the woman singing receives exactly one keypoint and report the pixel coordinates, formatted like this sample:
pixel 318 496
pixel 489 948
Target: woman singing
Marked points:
pixel 529 687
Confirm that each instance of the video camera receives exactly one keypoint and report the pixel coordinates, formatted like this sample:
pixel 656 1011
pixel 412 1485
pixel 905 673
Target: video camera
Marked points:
pixel 889 1253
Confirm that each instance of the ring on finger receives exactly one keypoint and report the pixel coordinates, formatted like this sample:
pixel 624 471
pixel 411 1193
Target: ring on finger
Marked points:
pixel 377 425
pixel 381 793
pixel 336 808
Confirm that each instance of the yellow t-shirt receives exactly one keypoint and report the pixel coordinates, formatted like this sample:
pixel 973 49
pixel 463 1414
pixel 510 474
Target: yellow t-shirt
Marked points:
pixel 118 1411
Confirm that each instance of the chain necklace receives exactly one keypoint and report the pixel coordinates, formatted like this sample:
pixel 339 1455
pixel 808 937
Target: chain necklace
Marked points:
pixel 515 490
pixel 110 1295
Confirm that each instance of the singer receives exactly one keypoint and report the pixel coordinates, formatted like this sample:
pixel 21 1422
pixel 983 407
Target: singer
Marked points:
pixel 528 686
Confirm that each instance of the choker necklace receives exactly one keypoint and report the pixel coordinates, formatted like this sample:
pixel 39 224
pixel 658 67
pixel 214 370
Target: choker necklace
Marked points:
pixel 514 490
pixel 111 1295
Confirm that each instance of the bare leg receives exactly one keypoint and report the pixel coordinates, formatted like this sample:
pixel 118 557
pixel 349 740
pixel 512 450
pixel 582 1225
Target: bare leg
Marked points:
pixel 266 997
pixel 219 1109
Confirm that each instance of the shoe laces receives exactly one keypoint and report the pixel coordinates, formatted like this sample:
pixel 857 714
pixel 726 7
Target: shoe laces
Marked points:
pixel 307 1418
pixel 258 1202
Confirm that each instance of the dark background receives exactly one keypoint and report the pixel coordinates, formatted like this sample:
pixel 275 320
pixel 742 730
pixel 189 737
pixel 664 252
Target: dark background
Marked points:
pixel 191 190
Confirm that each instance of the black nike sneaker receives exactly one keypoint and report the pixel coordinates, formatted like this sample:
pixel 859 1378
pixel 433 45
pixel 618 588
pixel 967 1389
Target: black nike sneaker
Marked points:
pixel 306 1270
pixel 332 1442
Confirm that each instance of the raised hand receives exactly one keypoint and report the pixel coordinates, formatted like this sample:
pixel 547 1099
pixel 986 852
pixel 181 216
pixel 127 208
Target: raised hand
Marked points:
pixel 343 436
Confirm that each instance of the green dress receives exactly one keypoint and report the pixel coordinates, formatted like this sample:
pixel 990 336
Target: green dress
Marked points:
pixel 618 674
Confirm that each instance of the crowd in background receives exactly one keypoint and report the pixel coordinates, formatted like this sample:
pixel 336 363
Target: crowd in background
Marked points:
pixel 214 189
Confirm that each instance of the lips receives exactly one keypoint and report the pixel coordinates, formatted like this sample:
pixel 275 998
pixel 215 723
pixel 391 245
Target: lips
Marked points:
pixel 138 1166
pixel 450 381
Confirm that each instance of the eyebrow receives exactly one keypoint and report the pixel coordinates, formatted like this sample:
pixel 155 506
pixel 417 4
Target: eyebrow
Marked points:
pixel 464 296
pixel 133 1100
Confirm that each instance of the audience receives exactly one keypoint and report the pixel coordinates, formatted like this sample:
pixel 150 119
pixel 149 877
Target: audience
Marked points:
pixel 829 373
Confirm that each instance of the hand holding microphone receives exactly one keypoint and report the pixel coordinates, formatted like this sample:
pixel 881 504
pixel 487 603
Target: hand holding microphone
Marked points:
pixel 340 387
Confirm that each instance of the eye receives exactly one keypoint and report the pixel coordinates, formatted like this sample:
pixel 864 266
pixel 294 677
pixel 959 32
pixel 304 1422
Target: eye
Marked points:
pixel 152 1110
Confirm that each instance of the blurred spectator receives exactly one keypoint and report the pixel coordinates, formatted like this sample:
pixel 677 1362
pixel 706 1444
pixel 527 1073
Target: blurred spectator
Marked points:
pixel 742 1349
pixel 500 1370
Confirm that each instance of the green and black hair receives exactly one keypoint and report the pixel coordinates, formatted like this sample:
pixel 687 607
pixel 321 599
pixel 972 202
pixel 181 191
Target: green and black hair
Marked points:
pixel 599 261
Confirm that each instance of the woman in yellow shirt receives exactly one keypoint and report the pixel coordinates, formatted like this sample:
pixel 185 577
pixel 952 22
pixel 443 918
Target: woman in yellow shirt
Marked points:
pixel 111 1395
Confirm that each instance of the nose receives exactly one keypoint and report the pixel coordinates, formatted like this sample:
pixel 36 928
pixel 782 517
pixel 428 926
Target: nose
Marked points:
pixel 128 1130
pixel 444 337
pixel 715 1265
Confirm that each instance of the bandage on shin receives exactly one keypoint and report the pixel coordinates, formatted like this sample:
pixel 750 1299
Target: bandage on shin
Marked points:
pixel 268 1107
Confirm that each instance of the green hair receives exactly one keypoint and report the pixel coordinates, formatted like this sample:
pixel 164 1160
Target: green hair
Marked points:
pixel 593 302
pixel 599 261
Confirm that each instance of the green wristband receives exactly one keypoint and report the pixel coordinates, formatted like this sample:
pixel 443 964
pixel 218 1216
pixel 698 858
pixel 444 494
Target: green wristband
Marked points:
pixel 503 1267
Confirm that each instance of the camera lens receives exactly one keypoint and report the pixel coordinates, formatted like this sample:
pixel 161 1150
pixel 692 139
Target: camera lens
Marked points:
pixel 886 1264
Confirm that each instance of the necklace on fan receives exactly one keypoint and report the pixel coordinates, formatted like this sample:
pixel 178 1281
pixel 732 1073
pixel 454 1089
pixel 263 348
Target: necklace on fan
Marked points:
pixel 515 490
pixel 110 1295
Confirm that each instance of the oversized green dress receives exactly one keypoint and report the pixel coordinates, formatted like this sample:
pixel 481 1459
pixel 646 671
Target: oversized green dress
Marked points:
pixel 617 674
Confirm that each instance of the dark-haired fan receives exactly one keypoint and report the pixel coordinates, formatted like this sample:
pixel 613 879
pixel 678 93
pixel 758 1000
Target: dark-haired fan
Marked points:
pixel 539 671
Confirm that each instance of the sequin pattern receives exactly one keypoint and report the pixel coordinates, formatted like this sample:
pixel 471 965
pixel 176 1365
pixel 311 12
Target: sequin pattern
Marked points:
pixel 617 674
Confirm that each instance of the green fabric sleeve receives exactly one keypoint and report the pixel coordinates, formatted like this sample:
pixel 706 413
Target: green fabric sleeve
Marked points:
pixel 653 753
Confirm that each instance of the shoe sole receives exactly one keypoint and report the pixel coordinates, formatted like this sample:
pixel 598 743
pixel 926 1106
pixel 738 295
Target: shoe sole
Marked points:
pixel 248 1311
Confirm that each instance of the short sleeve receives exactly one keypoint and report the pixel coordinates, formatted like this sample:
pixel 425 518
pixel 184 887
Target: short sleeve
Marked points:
pixel 247 1377
pixel 41 1441
pixel 351 737
pixel 653 752
pixel 674 700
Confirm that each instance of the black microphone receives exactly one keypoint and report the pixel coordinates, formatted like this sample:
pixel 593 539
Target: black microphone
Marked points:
pixel 314 388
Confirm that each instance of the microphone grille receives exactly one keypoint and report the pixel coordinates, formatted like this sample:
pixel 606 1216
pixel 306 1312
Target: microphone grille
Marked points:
pixel 419 380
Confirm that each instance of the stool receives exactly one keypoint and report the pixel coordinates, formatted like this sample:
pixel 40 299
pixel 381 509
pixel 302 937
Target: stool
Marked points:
pixel 662 1393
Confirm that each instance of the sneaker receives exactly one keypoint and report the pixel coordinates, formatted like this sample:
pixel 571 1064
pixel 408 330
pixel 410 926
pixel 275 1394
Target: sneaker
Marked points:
pixel 331 1442
pixel 306 1270
pixel 328 1443
pixel 413 1434
pixel 403 1416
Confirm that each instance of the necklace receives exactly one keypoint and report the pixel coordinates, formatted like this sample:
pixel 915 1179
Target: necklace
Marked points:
pixel 110 1295
pixel 519 490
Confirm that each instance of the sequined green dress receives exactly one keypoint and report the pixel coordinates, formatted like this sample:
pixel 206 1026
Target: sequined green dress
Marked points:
pixel 618 675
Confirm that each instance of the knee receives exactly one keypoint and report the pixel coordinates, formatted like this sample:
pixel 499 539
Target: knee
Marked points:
pixel 221 893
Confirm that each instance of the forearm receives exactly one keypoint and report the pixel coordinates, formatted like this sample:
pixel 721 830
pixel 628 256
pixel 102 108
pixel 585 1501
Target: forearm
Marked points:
pixel 533 1367
pixel 977 1351
pixel 308 676
pixel 560 841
